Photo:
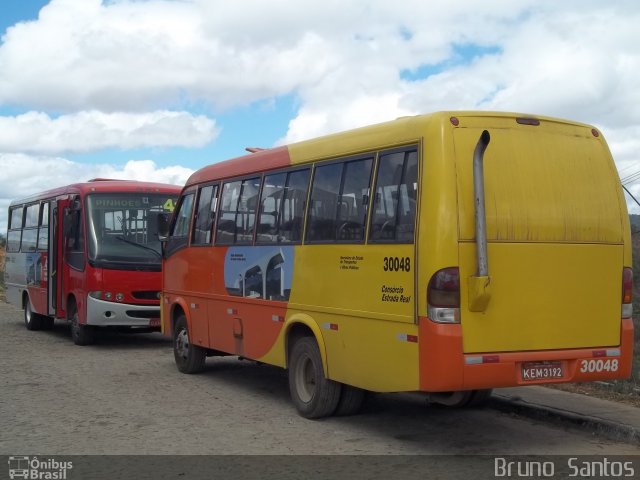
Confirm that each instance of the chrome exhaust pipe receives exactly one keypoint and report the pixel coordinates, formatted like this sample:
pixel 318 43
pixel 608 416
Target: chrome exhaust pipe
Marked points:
pixel 480 213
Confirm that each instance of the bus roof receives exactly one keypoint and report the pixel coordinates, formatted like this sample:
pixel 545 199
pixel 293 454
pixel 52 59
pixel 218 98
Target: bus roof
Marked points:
pixel 403 129
pixel 103 186
pixel 267 159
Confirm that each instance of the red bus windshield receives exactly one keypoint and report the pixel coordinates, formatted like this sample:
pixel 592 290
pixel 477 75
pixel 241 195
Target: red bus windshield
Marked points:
pixel 122 229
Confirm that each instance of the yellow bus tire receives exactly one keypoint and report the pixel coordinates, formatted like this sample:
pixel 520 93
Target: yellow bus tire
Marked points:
pixel 460 399
pixel 313 395
pixel 189 358
pixel 351 400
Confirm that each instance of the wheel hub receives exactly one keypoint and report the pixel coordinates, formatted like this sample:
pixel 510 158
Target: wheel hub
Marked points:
pixel 305 380
pixel 182 343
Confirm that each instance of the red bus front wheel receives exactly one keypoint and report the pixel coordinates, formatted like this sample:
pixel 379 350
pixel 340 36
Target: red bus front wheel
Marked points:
pixel 80 334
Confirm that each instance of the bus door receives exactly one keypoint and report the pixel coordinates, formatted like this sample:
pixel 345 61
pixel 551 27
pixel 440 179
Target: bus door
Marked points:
pixel 52 258
pixel 56 292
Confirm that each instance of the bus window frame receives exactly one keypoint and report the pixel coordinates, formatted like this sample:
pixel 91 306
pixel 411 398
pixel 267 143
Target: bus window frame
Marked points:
pixel 380 154
pixel 44 206
pixel 215 197
pixel 75 257
pixel 287 171
pixel 260 174
pixel 170 246
pixel 370 155
pixel 30 228
pixel 11 229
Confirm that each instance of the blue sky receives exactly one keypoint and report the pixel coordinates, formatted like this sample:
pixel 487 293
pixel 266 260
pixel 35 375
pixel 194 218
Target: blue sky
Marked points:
pixel 155 89
pixel 14 11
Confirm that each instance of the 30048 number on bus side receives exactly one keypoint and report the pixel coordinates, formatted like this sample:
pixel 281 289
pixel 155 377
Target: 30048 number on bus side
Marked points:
pixel 397 264
pixel 600 365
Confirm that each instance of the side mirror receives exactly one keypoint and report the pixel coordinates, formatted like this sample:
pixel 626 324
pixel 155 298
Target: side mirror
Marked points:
pixel 164 222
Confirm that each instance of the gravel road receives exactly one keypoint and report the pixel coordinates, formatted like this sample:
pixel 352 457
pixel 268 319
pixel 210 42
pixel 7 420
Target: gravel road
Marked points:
pixel 125 396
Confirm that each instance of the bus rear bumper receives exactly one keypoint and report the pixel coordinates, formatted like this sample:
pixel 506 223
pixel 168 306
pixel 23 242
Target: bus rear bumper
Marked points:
pixel 445 367
pixel 110 314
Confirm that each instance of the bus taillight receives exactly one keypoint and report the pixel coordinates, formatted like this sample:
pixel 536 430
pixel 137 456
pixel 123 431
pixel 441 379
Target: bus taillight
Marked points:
pixel 627 292
pixel 443 296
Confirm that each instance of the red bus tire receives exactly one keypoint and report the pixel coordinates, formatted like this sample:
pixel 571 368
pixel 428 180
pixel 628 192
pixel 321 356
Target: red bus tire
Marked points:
pixel 47 323
pixel 81 334
pixel 32 320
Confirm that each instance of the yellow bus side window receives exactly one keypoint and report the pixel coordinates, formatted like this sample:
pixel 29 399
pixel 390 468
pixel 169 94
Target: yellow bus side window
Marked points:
pixel 394 208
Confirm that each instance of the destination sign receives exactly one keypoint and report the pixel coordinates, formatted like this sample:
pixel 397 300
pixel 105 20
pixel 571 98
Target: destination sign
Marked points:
pixel 133 203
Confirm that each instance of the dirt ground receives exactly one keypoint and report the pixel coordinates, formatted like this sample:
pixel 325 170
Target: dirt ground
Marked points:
pixel 124 395
pixel 601 391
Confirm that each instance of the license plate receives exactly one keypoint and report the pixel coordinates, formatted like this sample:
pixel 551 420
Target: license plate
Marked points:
pixel 541 371
pixel 154 322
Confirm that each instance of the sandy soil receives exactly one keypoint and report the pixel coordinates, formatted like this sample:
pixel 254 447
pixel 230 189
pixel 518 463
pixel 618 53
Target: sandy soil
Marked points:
pixel 125 396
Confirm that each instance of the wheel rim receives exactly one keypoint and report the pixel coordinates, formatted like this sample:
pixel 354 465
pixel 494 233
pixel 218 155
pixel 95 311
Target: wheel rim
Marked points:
pixel 182 343
pixel 27 313
pixel 305 379
pixel 75 328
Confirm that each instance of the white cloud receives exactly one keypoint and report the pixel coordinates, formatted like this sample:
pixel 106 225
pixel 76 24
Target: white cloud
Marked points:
pixel 548 58
pixel 24 175
pixel 82 54
pixel 572 59
pixel 311 122
pixel 86 131
pixel 343 61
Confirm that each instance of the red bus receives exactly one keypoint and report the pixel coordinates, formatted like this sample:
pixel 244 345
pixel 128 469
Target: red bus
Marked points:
pixel 88 253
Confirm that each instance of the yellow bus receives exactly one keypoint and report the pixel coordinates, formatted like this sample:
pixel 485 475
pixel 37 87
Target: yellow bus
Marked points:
pixel 449 253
